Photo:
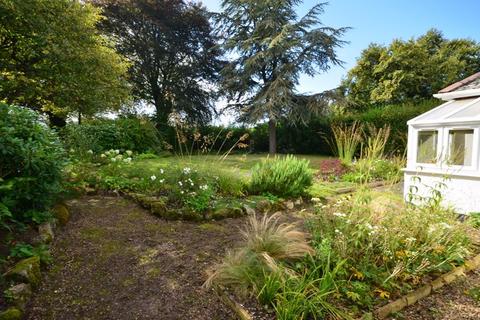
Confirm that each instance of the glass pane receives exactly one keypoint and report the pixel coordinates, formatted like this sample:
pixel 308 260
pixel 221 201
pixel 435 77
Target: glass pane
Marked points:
pixel 427 147
pixel 461 145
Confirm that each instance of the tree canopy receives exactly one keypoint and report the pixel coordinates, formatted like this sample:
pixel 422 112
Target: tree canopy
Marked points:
pixel 172 50
pixel 410 70
pixel 52 59
pixel 271 46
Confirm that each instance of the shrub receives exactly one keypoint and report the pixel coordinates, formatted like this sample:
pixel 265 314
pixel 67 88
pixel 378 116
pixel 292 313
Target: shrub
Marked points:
pixel 282 176
pixel 31 162
pixel 135 134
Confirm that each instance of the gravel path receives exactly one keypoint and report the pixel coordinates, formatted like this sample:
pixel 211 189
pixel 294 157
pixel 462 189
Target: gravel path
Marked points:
pixel 114 260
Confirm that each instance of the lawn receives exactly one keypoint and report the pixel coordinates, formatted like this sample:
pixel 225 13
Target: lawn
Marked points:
pixel 241 162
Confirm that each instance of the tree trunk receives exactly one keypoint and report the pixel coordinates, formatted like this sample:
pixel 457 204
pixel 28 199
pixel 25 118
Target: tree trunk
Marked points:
pixel 79 117
pixel 272 137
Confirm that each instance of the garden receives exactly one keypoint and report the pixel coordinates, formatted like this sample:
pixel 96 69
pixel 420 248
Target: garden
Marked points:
pixel 320 237
pixel 161 160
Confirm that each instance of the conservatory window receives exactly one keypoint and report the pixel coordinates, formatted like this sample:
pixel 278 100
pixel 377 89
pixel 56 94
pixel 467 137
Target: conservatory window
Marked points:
pixel 427 146
pixel 461 147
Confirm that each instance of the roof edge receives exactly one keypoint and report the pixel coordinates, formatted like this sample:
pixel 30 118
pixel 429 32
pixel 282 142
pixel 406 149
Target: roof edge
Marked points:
pixel 447 96
pixel 461 83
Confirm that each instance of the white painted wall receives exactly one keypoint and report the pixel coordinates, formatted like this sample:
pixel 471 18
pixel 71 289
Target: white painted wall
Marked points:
pixel 461 192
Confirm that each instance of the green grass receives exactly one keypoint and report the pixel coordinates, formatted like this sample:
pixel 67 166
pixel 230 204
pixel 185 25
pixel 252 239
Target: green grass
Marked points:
pixel 322 189
pixel 242 163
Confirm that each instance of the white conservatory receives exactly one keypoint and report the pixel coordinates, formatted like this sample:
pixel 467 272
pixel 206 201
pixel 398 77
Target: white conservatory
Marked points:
pixel 444 149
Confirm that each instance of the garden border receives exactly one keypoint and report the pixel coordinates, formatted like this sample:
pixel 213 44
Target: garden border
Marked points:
pixel 384 311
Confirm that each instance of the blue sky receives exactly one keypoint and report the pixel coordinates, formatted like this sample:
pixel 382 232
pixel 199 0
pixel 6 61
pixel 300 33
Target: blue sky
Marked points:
pixel 381 21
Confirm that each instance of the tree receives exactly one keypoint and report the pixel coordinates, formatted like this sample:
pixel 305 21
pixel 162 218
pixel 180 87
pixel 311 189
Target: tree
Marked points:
pixel 272 47
pixel 409 71
pixel 174 60
pixel 52 59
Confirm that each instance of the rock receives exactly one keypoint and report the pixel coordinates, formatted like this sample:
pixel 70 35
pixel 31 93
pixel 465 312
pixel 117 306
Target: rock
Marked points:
pixel 19 295
pixel 158 208
pixel 11 313
pixel 90 191
pixel 264 205
pixel 299 201
pixel 26 270
pixel 248 210
pixel 46 232
pixel 61 213
pixel 226 212
pixel 290 205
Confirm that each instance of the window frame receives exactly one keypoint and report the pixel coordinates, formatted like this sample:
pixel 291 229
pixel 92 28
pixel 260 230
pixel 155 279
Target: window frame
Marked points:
pixel 437 149
pixel 475 149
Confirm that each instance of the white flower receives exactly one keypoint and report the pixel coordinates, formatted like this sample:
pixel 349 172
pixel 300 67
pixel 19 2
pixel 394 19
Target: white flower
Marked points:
pixel 410 240
pixel 113 159
pixel 129 152
pixel 161 180
pixel 204 187
pixel 117 151
pixel 161 171
pixel 181 192
pixel 339 214
pixel 180 183
pixel 102 155
pixel 315 199
pixel 90 151
pixel 186 170
pixel 153 178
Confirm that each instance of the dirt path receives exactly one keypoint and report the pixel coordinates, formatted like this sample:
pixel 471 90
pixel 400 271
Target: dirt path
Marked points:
pixel 458 301
pixel 116 261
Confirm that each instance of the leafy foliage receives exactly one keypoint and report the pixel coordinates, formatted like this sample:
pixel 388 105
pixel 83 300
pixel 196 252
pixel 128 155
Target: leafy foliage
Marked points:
pixel 282 176
pixel 172 52
pixel 410 70
pixel 54 60
pixel 23 250
pixel 31 162
pixel 125 133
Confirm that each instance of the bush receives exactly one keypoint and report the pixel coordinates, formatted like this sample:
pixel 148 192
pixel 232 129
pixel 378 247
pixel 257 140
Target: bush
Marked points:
pixel 135 134
pixel 282 176
pixel 31 163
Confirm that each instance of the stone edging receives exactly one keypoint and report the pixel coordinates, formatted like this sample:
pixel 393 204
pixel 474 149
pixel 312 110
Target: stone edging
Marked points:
pixel 424 291
pixel 25 275
pixel 237 308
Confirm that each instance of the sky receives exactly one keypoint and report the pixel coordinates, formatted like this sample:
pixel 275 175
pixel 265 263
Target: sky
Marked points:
pixel 381 21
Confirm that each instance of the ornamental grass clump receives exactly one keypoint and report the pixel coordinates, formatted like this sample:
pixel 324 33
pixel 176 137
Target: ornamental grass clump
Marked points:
pixel 282 176
pixel 268 242
pixel 346 140
pixel 275 265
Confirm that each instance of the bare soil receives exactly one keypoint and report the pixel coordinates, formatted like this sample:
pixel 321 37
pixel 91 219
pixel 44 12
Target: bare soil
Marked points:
pixel 114 260
pixel 457 301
